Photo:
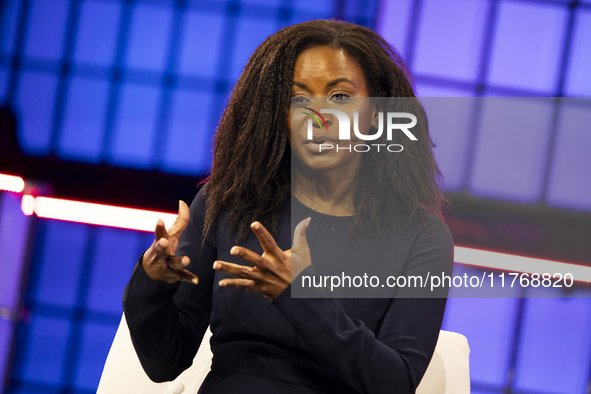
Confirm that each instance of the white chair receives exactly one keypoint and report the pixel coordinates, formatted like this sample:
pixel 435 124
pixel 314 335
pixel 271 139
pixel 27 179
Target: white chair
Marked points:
pixel 448 372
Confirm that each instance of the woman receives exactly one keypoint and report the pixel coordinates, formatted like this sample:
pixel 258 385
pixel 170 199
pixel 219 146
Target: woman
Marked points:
pixel 238 234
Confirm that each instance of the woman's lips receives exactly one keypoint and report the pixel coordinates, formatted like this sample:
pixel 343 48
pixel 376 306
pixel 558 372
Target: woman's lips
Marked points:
pixel 320 144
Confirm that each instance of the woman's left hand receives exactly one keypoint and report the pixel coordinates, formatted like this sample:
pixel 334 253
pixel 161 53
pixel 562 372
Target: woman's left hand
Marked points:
pixel 274 270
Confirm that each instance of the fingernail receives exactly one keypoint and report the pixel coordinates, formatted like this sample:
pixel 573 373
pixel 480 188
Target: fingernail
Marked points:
pixel 308 222
pixel 179 205
pixel 216 265
pixel 222 283
pixel 195 281
pixel 234 250
pixel 255 226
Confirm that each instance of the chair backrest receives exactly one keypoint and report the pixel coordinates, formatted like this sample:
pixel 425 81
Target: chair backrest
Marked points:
pixel 448 372
pixel 449 369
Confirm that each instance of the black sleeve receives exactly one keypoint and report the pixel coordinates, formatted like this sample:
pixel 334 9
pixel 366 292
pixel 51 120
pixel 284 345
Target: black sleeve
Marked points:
pixel 394 359
pixel 167 322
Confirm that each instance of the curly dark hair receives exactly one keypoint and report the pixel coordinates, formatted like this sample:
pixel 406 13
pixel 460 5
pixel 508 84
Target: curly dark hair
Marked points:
pixel 251 172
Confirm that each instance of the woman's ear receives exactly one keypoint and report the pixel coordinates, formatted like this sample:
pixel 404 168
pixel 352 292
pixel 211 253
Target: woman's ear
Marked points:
pixel 374 117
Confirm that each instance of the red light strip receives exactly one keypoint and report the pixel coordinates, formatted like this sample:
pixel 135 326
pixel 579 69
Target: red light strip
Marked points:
pixel 142 220
pixel 28 205
pixel 11 183
pixel 514 263
pixel 98 214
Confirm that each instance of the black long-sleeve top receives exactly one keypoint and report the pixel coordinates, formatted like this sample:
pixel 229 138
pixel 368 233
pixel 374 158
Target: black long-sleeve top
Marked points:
pixel 299 345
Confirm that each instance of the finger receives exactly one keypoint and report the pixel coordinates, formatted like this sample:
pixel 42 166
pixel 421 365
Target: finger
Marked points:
pixel 300 243
pixel 181 221
pixel 266 240
pixel 160 231
pixel 243 284
pixel 186 276
pixel 161 247
pixel 240 271
pixel 251 257
pixel 176 263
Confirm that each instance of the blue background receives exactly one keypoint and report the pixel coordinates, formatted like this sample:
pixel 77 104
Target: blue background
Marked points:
pixel 142 84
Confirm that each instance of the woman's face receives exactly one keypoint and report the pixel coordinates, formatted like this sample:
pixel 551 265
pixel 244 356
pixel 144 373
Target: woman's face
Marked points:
pixel 327 78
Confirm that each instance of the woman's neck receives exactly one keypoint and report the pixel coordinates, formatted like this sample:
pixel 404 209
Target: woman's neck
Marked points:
pixel 328 192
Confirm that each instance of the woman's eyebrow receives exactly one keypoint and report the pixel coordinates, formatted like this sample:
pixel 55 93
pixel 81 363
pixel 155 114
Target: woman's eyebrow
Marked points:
pixel 328 84
pixel 339 80
pixel 300 84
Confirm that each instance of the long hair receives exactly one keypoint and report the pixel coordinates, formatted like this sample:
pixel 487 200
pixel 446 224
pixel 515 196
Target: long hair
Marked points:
pixel 251 175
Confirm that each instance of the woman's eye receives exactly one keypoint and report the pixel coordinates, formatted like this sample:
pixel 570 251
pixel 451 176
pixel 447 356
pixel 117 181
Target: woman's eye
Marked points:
pixel 340 97
pixel 299 100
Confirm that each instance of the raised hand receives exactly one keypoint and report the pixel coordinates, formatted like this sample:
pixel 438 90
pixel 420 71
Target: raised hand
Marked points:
pixel 272 271
pixel 159 261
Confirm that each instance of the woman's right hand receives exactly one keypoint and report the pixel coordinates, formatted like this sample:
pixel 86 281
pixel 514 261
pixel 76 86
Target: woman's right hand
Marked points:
pixel 159 261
